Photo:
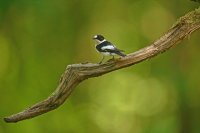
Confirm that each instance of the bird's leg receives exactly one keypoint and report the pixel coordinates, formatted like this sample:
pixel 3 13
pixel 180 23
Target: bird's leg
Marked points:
pixel 101 60
pixel 113 57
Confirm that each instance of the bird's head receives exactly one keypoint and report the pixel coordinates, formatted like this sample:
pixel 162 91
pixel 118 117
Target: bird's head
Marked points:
pixel 99 38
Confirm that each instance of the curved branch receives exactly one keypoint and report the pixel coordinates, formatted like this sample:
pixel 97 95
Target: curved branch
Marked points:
pixel 196 0
pixel 76 73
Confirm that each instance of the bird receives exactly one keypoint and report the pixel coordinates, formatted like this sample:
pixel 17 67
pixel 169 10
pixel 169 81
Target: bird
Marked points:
pixel 106 48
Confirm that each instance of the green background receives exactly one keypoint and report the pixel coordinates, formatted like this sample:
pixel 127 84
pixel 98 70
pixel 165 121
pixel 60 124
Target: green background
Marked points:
pixel 39 38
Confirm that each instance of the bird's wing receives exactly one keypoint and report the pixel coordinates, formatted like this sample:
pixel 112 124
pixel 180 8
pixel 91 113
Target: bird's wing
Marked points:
pixel 108 47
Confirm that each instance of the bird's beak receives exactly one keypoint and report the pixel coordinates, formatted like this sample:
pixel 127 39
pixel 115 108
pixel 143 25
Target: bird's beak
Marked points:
pixel 93 38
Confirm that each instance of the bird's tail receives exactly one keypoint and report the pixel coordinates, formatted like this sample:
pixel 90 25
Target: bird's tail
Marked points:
pixel 120 53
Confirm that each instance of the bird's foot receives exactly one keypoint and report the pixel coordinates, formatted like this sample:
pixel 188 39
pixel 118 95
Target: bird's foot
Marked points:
pixel 112 59
pixel 100 62
pixel 86 62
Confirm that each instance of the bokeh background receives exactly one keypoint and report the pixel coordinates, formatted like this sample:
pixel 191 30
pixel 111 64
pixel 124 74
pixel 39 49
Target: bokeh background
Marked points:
pixel 39 38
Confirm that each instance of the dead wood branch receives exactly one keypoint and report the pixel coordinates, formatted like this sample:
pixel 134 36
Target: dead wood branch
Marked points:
pixel 76 73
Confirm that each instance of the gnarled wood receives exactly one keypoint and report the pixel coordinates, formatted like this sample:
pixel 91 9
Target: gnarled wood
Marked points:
pixel 76 73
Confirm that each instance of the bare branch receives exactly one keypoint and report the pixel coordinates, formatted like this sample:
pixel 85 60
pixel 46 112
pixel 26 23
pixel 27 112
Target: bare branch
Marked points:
pixel 76 73
pixel 196 0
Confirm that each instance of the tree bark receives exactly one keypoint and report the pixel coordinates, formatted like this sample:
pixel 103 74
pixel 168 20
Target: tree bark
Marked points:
pixel 76 73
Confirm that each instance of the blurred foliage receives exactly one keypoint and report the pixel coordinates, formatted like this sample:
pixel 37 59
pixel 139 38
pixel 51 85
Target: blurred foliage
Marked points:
pixel 39 38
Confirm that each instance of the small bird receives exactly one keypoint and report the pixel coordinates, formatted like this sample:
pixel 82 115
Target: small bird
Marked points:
pixel 106 48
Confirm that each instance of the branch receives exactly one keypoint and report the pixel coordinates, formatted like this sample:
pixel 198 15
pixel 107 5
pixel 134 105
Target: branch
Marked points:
pixel 196 0
pixel 76 73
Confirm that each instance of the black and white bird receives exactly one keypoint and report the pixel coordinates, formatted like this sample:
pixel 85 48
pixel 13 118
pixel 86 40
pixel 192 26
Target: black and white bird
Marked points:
pixel 106 48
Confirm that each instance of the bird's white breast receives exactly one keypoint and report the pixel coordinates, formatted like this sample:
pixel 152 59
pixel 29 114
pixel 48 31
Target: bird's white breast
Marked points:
pixel 107 53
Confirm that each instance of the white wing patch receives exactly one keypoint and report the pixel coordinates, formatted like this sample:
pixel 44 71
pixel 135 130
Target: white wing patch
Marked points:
pixel 108 47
